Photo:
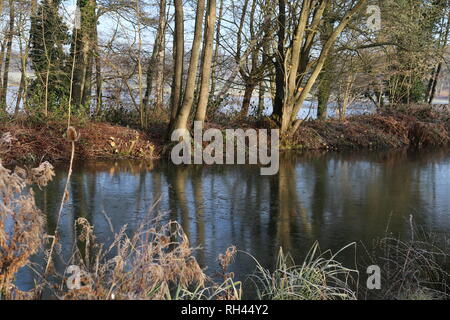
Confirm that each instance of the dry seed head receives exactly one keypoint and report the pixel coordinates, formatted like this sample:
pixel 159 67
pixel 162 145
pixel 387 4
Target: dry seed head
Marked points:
pixel 42 175
pixel 72 134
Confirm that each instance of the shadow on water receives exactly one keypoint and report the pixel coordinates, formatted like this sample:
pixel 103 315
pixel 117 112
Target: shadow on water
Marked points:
pixel 335 199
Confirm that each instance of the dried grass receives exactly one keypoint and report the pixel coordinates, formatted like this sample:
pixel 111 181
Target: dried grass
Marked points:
pixel 415 126
pixel 157 262
pixel 33 143
pixel 21 224
pixel 411 269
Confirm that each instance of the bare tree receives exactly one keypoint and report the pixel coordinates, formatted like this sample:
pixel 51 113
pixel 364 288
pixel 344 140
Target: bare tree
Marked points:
pixel 206 61
pixel 293 85
pixel 181 120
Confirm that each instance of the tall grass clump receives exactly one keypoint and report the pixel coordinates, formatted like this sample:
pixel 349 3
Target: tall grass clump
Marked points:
pixel 320 277
pixel 155 263
pixel 146 265
pixel 21 224
pixel 411 268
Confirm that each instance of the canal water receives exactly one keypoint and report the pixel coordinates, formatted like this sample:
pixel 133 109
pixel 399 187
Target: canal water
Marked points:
pixel 332 198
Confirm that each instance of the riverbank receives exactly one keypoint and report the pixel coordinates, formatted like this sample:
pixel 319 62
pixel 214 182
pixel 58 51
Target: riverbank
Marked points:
pixel 34 143
pixel 412 127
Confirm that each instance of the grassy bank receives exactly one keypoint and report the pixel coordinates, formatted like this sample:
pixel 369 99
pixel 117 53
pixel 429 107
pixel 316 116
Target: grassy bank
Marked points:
pixel 404 127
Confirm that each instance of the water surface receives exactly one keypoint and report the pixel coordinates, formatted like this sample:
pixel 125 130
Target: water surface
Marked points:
pixel 332 198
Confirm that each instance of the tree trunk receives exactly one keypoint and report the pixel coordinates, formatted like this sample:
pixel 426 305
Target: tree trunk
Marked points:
pixel 2 52
pixel 216 51
pixel 261 99
pixel 207 62
pixel 324 90
pixel 436 73
pixel 344 102
pixel 325 77
pixel 248 93
pixel 434 83
pixel 279 63
pixel 23 89
pixel 178 53
pixel 84 44
pixel 98 76
pixel 160 55
pixel 323 96
pixel 87 90
pixel 19 95
pixel 188 100
pixel 2 56
pixel 150 77
pixel 4 89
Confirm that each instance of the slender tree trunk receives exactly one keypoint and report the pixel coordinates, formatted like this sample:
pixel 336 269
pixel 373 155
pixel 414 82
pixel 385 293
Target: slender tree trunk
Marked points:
pixel 261 98
pixel 4 91
pixel 248 74
pixel 216 51
pixel 160 55
pixel 20 94
pixel 434 83
pixel 266 60
pixel 87 90
pixel 254 74
pixel 2 51
pixel 324 90
pixel 188 100
pixel 150 77
pixel 98 76
pixel 325 77
pixel 210 23
pixel 2 56
pixel 177 81
pixel 436 74
pixel 279 64
pixel 323 97
pixel 430 82
pixel 23 76
pixel 142 109
pixel 248 93
pixel 23 89
pixel 83 55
